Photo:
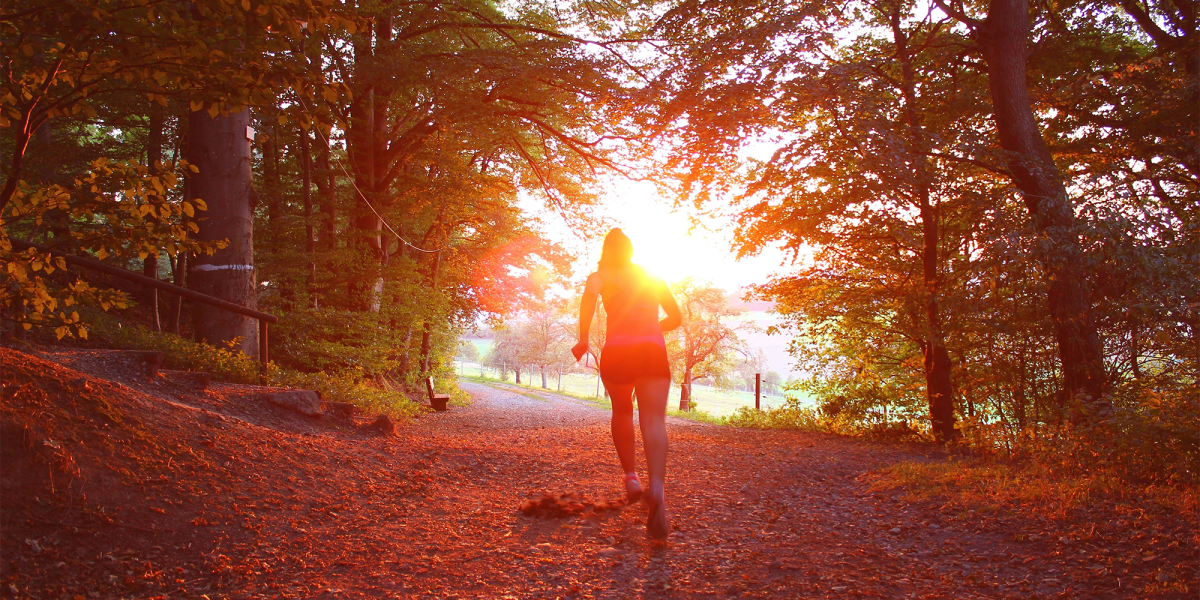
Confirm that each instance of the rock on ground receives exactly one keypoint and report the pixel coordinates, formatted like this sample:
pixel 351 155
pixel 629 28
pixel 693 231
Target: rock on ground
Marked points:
pixel 305 402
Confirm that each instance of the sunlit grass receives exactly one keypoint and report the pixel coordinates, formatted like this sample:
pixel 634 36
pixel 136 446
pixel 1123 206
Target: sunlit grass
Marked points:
pixel 698 415
pixel 991 486
pixel 715 403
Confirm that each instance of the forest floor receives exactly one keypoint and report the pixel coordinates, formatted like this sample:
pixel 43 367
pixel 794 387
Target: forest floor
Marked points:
pixel 115 485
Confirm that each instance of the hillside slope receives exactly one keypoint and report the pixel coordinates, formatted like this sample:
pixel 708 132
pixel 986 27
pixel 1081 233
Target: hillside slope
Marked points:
pixel 115 486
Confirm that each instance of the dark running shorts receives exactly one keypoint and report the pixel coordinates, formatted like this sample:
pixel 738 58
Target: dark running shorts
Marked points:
pixel 621 365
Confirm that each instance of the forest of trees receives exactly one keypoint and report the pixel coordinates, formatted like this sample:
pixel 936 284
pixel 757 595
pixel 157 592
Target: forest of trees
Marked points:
pixel 1001 201
pixel 360 166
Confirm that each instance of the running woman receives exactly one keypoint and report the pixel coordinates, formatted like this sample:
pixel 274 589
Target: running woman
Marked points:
pixel 634 359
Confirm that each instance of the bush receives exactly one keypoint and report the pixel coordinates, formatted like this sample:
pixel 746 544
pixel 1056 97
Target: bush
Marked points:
pixel 1149 436
pixel 336 340
pixel 789 416
pixel 234 367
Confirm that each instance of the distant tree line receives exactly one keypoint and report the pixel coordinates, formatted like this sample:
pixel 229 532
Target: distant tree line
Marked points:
pixel 707 348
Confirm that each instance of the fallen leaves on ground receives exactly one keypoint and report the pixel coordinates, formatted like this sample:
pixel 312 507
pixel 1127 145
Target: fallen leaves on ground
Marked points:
pixel 116 486
pixel 567 504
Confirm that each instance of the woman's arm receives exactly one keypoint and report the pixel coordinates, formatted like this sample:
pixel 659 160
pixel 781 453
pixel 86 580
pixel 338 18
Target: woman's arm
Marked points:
pixel 667 300
pixel 587 309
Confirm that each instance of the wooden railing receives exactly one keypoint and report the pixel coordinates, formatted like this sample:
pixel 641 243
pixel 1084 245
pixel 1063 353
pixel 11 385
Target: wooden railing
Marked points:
pixel 88 263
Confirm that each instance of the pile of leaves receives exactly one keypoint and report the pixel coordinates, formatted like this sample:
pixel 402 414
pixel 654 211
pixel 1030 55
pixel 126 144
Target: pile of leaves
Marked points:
pixel 567 504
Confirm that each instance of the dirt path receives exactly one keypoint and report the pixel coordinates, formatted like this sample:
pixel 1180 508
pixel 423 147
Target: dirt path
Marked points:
pixel 236 500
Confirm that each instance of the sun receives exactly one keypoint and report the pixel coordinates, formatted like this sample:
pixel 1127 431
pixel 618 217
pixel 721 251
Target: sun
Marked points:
pixel 664 252
pixel 666 244
pixel 664 241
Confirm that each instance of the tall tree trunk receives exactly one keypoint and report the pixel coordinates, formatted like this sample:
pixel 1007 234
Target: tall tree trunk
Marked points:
pixel 405 360
pixel 325 193
pixel 685 389
pixel 368 225
pixel 939 389
pixel 220 148
pixel 44 171
pixel 175 304
pixel 31 120
pixel 426 337
pixel 179 264
pixel 371 146
pixel 154 146
pixel 1003 37
pixel 1134 351
pixel 543 370
pixel 363 141
pixel 310 240
pixel 272 170
pixel 1020 395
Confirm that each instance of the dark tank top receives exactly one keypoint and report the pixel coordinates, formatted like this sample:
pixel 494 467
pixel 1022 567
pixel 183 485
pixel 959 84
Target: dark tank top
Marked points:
pixel 631 302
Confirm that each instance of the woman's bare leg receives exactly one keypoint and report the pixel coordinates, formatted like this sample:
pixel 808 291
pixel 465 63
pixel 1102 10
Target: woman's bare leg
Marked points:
pixel 652 413
pixel 622 424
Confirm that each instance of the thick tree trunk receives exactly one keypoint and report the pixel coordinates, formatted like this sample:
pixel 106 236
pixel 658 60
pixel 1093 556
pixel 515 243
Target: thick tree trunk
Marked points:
pixel 1003 37
pixel 220 148
pixel 364 139
pixel 374 151
pixel 939 389
pixel 518 372
pixel 544 386
pixel 367 292
pixel 937 376
pixel 426 346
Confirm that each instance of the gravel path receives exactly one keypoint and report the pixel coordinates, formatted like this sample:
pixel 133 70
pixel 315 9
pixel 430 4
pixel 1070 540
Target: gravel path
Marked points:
pixel 501 407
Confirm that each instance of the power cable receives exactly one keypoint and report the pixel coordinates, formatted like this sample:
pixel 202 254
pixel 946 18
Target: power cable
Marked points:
pixel 363 196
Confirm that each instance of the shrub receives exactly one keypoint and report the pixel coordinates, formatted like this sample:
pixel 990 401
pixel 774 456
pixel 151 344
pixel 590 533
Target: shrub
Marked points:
pixel 226 365
pixel 1149 436
pixel 791 415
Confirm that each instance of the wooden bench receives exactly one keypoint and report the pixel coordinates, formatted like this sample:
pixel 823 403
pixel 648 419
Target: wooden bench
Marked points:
pixel 437 401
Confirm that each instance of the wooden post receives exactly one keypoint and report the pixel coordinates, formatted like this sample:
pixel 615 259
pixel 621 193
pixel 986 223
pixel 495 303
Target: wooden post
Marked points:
pixel 757 391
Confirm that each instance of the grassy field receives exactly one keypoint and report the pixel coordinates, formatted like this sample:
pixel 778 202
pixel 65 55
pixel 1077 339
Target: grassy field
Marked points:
pixel 718 403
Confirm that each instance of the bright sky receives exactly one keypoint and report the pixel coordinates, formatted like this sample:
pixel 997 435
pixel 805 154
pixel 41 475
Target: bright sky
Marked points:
pixel 665 244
